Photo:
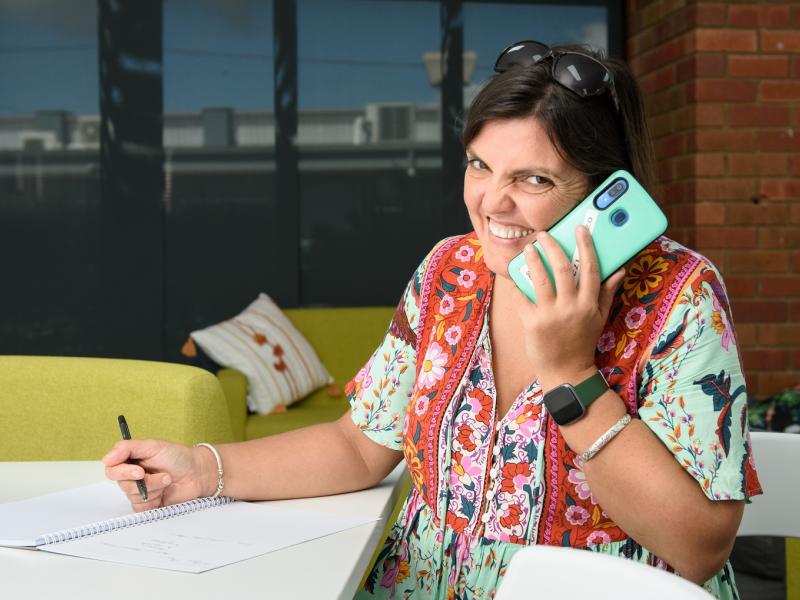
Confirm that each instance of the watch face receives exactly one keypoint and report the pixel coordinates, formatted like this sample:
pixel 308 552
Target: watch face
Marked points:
pixel 563 404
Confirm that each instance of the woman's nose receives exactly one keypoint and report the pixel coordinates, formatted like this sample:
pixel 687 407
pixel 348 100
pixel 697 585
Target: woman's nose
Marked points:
pixel 496 197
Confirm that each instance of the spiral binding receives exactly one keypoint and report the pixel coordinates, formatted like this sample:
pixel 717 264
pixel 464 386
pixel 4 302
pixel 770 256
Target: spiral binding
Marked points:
pixel 142 518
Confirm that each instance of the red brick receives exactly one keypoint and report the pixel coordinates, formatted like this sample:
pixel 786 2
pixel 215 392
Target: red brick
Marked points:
pixel 780 189
pixel 746 333
pixel 700 164
pixel 708 14
pixel 758 66
pixel 741 287
pixel 779 334
pixel 663 78
pixel 746 15
pixel 707 115
pixel 721 90
pixel 783 140
pixel 766 358
pixel 666 100
pixel 672 145
pixel 664 171
pixel 757 164
pixel 779 287
pixel 725 189
pixel 795 262
pixel 794 18
pixel 723 139
pixel 701 65
pixel 661 125
pixel 795 69
pixel 759 15
pixel 641 41
pixel 725 40
pixel 773 382
pixel 757 262
pixel 660 55
pixel 756 214
pixel 726 237
pixel 759 311
pixel 795 214
pixel 760 115
pixel 776 17
pixel 795 362
pixel 780 91
pixel 795 162
pixel 787 238
pixel 780 41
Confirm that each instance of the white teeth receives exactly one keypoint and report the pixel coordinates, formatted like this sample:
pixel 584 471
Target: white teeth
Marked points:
pixel 508 234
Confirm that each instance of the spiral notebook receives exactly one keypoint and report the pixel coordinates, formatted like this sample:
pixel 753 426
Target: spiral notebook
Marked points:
pixel 95 522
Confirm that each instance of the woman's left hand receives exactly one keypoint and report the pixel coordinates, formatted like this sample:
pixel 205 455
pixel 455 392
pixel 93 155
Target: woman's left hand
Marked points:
pixel 562 327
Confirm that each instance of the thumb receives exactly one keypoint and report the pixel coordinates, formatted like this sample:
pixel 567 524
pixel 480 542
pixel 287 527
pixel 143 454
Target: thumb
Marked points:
pixel 607 291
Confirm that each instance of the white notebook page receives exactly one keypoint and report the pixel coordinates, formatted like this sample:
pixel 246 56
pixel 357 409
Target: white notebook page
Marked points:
pixel 192 542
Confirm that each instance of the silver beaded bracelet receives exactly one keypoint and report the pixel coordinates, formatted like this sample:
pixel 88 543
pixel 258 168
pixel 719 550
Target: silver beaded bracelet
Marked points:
pixel 605 438
pixel 220 480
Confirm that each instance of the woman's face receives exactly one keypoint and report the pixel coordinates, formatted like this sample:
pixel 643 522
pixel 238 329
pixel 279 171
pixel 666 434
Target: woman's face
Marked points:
pixel 516 184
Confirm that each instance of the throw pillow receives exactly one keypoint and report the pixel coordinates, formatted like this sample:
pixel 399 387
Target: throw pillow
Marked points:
pixel 279 363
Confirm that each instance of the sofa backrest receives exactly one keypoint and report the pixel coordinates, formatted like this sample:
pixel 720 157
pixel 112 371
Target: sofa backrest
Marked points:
pixel 66 408
pixel 344 338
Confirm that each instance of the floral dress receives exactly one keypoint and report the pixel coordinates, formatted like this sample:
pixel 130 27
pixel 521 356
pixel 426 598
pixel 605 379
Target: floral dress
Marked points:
pixel 488 484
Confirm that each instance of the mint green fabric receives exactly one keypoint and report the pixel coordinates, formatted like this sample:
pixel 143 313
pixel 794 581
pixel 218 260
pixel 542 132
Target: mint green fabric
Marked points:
pixel 61 408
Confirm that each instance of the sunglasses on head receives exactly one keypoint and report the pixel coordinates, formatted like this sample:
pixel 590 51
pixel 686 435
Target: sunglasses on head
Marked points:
pixel 580 73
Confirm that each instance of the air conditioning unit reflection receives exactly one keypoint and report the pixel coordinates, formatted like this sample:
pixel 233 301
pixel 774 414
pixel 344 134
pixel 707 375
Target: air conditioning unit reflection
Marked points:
pixel 87 133
pixel 391 122
pixel 38 141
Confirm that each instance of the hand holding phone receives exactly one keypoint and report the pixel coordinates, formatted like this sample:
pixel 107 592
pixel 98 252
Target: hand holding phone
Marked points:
pixel 622 219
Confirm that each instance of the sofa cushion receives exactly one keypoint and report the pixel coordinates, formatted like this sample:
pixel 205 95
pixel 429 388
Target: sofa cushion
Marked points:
pixel 279 363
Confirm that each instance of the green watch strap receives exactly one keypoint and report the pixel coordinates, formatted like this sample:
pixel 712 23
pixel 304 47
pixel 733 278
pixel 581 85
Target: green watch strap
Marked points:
pixel 590 389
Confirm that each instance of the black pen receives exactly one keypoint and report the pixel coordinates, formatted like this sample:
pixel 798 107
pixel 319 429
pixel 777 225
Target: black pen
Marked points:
pixel 126 435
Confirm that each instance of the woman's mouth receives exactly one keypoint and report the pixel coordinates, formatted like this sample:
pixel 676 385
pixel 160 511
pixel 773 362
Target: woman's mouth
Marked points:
pixel 506 232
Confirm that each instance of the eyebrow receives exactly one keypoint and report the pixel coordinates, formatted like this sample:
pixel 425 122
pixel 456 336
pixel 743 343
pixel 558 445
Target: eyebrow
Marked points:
pixel 519 173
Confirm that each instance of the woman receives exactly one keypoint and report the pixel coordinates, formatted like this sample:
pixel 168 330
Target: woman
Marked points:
pixel 458 385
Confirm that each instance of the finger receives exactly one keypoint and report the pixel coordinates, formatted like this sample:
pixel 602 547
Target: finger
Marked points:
pixel 607 291
pixel 540 280
pixel 589 275
pixel 155 484
pixel 126 450
pixel 125 472
pixel 560 265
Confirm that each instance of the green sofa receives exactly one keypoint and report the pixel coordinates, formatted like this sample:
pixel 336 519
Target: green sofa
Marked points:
pixel 344 339
pixel 65 408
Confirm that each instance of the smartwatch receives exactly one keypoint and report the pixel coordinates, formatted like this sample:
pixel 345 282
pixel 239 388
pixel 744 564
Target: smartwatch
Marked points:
pixel 568 403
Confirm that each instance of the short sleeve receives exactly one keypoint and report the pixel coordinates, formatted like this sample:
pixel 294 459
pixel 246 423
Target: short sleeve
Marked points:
pixel 693 394
pixel 382 389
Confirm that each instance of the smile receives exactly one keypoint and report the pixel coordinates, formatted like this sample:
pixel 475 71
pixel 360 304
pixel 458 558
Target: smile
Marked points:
pixel 508 233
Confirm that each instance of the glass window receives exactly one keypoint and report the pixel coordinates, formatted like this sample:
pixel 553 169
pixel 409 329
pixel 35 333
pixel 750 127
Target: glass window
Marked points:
pixel 368 133
pixel 491 27
pixel 219 162
pixel 49 183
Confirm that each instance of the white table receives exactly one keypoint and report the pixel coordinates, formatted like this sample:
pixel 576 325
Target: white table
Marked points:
pixel 329 567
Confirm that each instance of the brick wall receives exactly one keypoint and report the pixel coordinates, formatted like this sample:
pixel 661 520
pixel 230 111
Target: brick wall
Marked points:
pixel 722 88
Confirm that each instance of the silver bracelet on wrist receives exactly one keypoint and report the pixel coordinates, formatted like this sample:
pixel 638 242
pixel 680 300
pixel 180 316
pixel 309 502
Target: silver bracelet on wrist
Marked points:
pixel 605 438
pixel 220 480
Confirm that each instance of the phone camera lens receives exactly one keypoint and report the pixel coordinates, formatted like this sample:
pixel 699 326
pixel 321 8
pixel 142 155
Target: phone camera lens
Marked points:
pixel 619 217
pixel 615 191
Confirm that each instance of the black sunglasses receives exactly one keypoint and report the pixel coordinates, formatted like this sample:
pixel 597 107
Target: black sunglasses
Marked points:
pixel 580 73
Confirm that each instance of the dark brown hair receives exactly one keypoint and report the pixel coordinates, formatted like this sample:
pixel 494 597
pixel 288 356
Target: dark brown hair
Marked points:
pixel 588 133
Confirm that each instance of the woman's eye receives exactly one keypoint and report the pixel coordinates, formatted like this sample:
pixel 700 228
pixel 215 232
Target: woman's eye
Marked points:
pixel 535 184
pixel 477 164
pixel 538 180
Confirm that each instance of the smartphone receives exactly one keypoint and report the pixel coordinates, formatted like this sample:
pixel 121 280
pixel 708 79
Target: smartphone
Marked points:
pixel 622 218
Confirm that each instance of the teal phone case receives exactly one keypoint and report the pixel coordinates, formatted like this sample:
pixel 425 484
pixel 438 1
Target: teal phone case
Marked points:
pixel 615 244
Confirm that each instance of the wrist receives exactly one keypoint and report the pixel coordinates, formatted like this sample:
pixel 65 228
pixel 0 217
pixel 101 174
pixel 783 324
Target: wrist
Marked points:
pixel 206 469
pixel 555 378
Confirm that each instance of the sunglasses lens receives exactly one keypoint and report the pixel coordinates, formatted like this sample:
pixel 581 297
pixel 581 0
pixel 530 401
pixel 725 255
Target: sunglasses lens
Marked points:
pixel 581 74
pixel 522 54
